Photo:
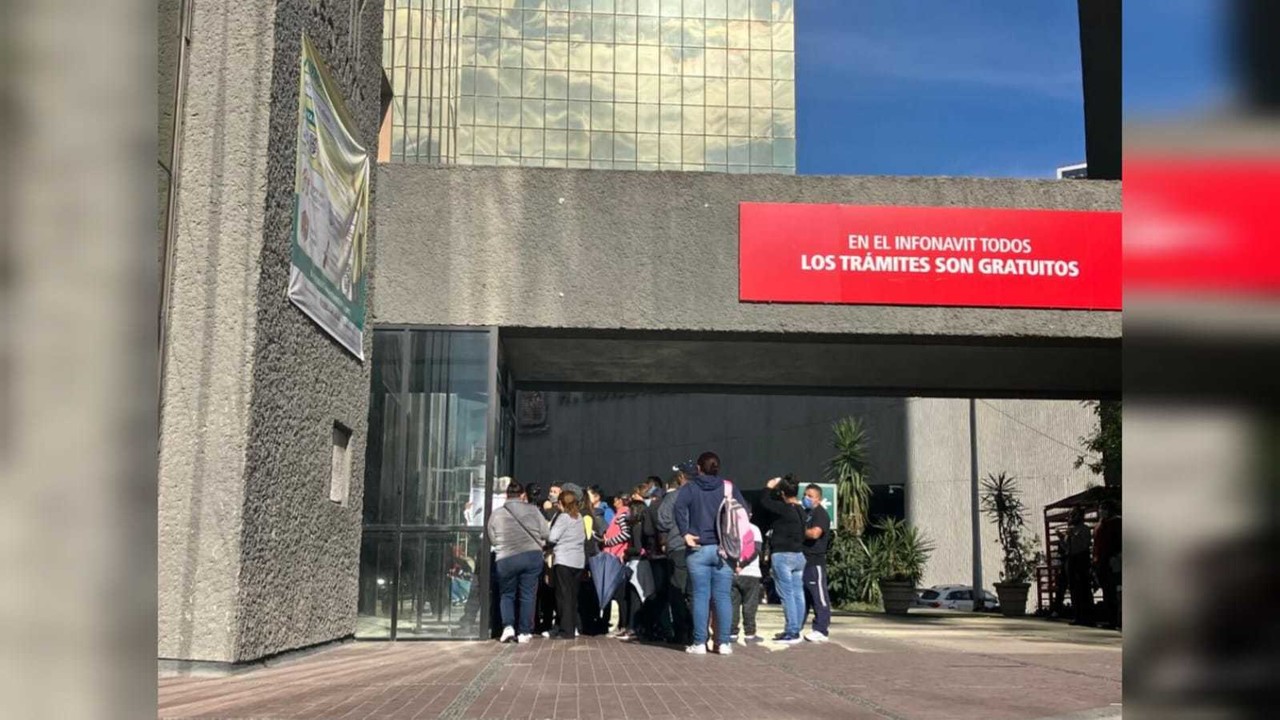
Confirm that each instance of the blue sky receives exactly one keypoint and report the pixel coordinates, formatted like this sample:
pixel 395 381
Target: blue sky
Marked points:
pixel 1175 58
pixel 938 87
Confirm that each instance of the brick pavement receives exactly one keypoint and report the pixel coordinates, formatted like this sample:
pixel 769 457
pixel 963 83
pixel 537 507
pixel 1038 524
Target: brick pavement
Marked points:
pixel 925 666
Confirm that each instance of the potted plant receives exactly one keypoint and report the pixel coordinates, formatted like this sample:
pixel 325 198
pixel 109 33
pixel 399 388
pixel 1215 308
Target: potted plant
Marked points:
pixel 896 558
pixel 1001 500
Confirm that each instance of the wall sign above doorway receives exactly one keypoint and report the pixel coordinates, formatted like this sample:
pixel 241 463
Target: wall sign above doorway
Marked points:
pixel 964 257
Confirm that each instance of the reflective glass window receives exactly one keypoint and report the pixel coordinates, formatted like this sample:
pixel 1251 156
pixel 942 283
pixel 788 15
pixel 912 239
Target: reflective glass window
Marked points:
pixel 535 54
pixel 557 56
pixel 531 143
pixel 671 119
pixel 509 82
pixel 601 117
pixel 534 85
pixel 625 59
pixel 648 89
pixel 556 143
pixel 602 28
pixel 624 147
pixel 672 32
pixel 486 140
pixel 557 112
pixel 378 566
pixel 624 117
pixel 647 118
pixel 579 117
pixel 533 113
pixel 535 24
pixel 670 148
pixel 509 110
pixel 625 88
pixel 601 146
pixel 509 142
pixel 625 30
pixel 648 30
pixel 717 121
pixel 557 85
pixel 717 63
pixel 602 86
pixel 692 121
pixel 512 55
pixel 647 148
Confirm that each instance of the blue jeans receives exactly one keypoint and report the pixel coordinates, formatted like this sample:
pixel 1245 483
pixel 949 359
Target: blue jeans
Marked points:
pixel 519 572
pixel 788 577
pixel 710 578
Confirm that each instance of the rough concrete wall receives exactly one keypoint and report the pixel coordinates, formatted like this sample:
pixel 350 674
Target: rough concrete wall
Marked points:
pixel 213 331
pixel 657 251
pixel 299 550
pixel 617 442
pixel 1032 440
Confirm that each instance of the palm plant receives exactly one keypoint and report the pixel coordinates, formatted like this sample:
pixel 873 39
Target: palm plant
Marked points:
pixel 899 552
pixel 1001 500
pixel 852 574
pixel 850 469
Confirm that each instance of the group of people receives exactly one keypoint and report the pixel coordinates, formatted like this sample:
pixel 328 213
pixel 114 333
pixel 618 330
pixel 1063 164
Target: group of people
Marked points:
pixel 1087 556
pixel 685 581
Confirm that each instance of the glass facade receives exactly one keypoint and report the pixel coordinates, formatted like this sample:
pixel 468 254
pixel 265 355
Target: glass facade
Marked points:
pixel 701 85
pixel 425 486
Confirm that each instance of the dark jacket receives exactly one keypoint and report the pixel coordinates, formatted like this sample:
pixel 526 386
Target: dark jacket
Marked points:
pixel 788 523
pixel 697 504
pixel 666 517
pixel 644 523
pixel 815 549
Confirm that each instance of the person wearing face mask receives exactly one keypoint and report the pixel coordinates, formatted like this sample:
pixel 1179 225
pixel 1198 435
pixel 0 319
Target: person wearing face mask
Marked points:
pixel 817 538
pixel 551 506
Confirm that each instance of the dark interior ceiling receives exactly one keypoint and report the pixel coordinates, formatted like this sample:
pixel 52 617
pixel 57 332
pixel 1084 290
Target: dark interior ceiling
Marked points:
pixel 801 364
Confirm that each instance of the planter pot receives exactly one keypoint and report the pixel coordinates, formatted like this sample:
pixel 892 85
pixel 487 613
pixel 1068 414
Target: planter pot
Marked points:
pixel 1013 598
pixel 897 596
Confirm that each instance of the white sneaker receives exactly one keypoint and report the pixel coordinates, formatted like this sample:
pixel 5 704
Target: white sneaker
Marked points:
pixel 508 634
pixel 814 636
pixel 726 649
pixel 524 638
pixel 696 649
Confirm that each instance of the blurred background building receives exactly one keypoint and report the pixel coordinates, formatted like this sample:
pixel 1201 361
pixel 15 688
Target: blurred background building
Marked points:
pixel 701 85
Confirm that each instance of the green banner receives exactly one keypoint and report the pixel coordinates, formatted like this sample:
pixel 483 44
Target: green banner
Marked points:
pixel 330 209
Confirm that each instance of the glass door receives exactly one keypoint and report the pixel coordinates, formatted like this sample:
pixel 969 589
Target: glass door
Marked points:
pixel 424 559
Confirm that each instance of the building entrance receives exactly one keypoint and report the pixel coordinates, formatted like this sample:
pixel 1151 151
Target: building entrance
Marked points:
pixel 453 410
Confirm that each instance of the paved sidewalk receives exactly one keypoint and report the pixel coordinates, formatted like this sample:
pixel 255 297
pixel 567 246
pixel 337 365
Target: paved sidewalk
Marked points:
pixel 936 665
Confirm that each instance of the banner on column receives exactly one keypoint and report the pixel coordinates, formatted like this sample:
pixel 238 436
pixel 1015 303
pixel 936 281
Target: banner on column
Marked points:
pixel 330 209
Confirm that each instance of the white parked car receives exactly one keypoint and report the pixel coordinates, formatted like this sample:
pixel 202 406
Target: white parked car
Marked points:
pixel 954 597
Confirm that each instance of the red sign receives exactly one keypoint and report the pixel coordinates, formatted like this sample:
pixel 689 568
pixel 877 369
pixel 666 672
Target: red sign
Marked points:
pixel 974 257
pixel 1197 224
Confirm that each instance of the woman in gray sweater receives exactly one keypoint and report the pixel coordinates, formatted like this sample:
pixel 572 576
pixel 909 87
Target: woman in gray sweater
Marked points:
pixel 518 532
pixel 568 534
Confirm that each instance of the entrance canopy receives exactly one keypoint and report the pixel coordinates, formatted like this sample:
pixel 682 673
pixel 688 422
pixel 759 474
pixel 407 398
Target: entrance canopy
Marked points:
pixel 612 278
pixel 724 362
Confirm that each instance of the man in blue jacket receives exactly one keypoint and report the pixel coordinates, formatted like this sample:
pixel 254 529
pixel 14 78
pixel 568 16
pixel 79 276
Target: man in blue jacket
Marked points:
pixel 696 509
